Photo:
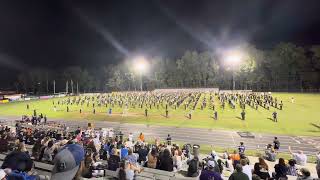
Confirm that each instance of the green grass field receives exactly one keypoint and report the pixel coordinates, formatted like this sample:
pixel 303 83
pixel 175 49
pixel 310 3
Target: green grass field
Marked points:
pixel 299 118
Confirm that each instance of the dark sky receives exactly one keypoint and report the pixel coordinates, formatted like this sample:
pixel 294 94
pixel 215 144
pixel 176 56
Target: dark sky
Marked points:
pixel 57 33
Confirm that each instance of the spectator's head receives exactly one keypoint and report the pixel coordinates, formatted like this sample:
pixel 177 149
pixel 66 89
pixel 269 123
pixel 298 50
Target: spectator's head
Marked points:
pixel 275 138
pixel 238 168
pixel 68 163
pixel 300 152
pixel 211 165
pixel 166 153
pixel 154 152
pixel 241 143
pixel 243 162
pixel 281 161
pixel 292 162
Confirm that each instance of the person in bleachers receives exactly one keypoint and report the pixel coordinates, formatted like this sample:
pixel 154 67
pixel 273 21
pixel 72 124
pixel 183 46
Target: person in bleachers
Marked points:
pixel 194 166
pixel 68 163
pixel 260 172
pixel 270 153
pixel 304 174
pixel 177 160
pixel 262 163
pixel 143 152
pixel 292 169
pixel 300 158
pixel 238 174
pixel 209 172
pixel 246 168
pixel 4 143
pixel 281 170
pixel 113 161
pixel 165 161
pixel 152 158
pixel 131 157
pixel 17 165
pixel 48 152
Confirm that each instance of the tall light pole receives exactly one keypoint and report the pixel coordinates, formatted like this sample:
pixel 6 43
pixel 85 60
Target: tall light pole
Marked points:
pixel 233 59
pixel 140 65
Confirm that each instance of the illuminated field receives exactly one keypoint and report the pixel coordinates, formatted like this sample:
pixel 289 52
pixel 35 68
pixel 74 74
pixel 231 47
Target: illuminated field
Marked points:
pixel 299 118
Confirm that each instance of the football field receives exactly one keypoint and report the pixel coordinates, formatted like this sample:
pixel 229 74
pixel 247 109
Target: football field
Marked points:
pixel 302 117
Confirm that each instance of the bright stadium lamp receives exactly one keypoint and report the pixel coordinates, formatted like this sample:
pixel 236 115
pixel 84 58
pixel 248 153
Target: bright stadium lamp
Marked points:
pixel 140 65
pixel 232 59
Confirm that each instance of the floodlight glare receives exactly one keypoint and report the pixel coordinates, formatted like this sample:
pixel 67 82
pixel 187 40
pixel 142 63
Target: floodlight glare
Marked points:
pixel 140 64
pixel 233 58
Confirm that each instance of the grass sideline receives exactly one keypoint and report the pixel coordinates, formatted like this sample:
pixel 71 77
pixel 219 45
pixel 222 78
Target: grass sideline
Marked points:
pixel 299 118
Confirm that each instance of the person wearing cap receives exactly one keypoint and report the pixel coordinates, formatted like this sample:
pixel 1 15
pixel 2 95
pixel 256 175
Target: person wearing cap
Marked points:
pixel 68 163
pixel 210 173
pixel 305 174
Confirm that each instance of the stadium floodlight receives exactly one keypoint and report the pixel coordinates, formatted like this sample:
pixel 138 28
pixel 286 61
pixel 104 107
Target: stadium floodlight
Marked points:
pixel 233 58
pixel 140 66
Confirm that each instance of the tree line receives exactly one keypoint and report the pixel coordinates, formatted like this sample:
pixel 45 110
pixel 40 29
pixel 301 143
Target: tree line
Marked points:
pixel 285 67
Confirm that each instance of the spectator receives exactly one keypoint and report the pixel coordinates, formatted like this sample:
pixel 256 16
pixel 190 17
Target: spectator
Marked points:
pixel 48 152
pixel 131 157
pixel 292 169
pixel 152 158
pixel 177 160
pixel 166 162
pixel 194 166
pixel 143 152
pixel 125 172
pixel 209 172
pixel 124 152
pixel 19 161
pixel 300 158
pixel 113 161
pixel 263 174
pixel 263 164
pixel 246 168
pixel 238 174
pixel 270 154
pixel 4 143
pixel 235 157
pixel 141 137
pixel 305 174
pixel 280 169
pixel 68 163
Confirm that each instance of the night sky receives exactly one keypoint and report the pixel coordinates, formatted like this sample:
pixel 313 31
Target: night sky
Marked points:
pixel 57 33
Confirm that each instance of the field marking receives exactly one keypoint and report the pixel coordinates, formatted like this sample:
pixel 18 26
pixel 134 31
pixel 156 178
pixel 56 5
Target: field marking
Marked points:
pixel 293 138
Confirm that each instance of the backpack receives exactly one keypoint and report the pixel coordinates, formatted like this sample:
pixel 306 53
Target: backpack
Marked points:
pixel 16 175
